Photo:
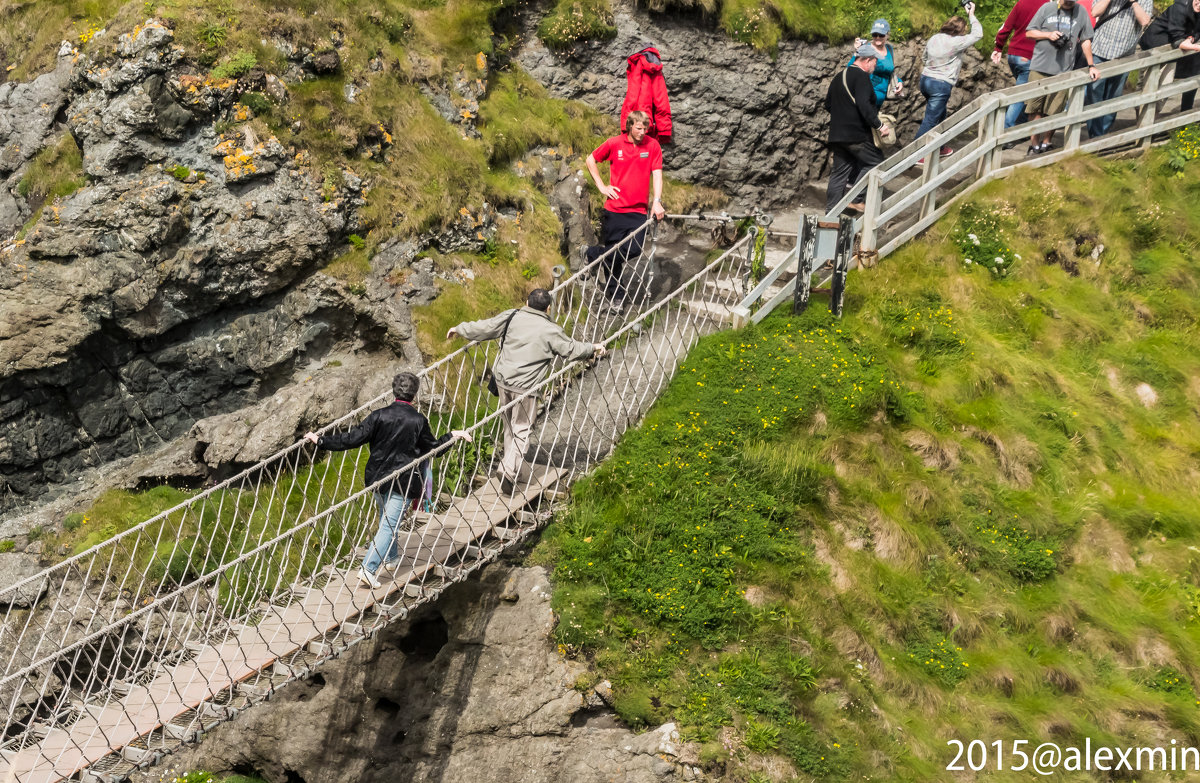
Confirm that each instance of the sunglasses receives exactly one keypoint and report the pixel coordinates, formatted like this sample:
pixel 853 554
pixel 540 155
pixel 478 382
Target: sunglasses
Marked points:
pixel 879 35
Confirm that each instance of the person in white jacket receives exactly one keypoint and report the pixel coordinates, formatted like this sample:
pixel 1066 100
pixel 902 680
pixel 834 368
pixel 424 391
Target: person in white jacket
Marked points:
pixel 943 60
pixel 529 341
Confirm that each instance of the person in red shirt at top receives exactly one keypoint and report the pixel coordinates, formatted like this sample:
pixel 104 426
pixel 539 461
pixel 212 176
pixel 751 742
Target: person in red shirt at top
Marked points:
pixel 635 164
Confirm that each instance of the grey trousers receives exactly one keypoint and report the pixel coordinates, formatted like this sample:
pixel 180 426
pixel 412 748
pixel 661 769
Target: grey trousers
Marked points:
pixel 518 425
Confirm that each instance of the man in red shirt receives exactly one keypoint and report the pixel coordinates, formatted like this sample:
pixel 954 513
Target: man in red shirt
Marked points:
pixel 636 163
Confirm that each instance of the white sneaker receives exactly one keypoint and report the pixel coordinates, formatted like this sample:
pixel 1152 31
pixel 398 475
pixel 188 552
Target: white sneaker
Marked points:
pixel 367 578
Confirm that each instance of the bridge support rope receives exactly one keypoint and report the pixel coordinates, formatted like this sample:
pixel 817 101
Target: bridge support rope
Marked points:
pixel 154 635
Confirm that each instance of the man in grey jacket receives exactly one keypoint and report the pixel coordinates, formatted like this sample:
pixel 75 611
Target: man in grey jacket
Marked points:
pixel 529 343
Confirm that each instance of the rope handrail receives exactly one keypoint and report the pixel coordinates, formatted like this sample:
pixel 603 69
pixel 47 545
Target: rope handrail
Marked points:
pixel 262 563
pixel 299 444
pixel 226 500
pixel 370 489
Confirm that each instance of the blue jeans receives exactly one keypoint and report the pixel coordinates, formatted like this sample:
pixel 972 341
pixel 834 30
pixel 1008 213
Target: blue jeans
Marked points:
pixel 937 93
pixel 1020 69
pixel 1103 90
pixel 384 548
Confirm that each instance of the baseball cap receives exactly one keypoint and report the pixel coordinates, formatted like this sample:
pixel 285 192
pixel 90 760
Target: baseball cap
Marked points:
pixel 881 27
pixel 866 51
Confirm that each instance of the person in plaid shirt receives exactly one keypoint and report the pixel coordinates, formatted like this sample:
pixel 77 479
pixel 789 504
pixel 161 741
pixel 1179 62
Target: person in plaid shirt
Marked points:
pixel 1119 25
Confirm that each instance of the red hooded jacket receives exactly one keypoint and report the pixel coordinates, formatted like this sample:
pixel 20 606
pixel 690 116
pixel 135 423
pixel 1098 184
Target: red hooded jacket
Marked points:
pixel 646 90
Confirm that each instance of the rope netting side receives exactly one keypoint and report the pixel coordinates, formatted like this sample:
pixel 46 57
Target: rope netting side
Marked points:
pixel 108 618
pixel 285 599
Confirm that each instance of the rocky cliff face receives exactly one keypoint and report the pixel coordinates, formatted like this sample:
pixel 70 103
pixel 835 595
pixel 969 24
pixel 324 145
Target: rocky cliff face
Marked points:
pixel 472 689
pixel 744 122
pixel 178 284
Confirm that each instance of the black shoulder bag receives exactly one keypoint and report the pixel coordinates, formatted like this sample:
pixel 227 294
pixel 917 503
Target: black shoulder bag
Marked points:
pixel 491 372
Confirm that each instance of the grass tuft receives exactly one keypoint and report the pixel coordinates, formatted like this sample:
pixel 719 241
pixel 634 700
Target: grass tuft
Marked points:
pixel 55 172
pixel 518 115
pixel 571 21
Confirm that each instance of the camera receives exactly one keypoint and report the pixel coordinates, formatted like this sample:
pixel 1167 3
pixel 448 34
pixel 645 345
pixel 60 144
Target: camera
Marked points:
pixel 1064 41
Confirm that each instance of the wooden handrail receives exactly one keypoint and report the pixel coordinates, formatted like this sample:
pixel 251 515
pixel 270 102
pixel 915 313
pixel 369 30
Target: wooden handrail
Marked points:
pixel 968 117
pixel 978 133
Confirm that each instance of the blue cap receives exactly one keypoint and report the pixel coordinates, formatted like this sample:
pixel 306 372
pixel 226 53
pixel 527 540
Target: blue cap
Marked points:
pixel 881 27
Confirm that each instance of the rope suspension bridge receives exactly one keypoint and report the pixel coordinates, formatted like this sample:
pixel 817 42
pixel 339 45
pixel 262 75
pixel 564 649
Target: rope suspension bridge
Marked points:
pixel 155 635
pixel 120 653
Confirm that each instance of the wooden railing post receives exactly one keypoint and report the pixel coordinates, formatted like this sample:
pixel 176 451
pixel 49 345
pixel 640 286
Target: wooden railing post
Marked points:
pixel 871 211
pixel 841 263
pixel 933 163
pixel 1072 132
pixel 1155 78
pixel 996 158
pixel 983 130
pixel 806 252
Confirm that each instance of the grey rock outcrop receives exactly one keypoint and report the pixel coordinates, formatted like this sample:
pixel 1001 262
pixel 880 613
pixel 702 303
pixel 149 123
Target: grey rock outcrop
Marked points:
pixel 181 283
pixel 470 689
pixel 258 431
pixel 14 570
pixel 28 113
pixel 121 112
pixel 744 122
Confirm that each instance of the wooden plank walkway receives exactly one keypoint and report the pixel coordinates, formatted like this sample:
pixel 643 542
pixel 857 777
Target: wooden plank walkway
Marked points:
pixel 174 700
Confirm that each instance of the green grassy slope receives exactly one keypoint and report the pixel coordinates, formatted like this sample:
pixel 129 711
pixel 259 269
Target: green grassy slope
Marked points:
pixel 968 510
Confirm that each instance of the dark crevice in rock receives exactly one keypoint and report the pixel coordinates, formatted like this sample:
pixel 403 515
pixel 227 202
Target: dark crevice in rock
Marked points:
pixel 310 687
pixel 595 718
pixel 247 770
pixel 387 707
pixel 425 639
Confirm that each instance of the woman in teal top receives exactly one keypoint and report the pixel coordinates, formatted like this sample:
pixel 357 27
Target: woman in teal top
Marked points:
pixel 885 64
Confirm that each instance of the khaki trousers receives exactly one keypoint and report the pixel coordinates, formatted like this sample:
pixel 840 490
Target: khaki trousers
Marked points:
pixel 518 424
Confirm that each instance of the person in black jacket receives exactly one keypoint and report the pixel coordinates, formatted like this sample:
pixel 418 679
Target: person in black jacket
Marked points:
pixel 852 117
pixel 398 435
pixel 1178 26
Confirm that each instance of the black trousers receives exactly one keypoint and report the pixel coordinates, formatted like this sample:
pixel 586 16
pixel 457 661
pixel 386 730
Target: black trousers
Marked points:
pixel 850 163
pixel 614 227
pixel 1185 68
